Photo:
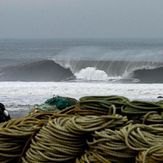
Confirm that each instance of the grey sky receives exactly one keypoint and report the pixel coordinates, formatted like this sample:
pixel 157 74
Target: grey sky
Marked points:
pixel 81 18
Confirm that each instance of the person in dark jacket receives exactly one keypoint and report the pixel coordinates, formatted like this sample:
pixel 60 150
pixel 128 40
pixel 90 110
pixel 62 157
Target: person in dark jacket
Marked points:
pixel 4 115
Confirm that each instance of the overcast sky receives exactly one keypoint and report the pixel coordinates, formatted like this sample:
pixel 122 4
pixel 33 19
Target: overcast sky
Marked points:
pixel 81 18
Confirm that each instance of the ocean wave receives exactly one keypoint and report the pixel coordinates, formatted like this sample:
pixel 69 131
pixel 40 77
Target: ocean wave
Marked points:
pixel 45 70
pixel 85 70
pixel 113 68
pixel 149 75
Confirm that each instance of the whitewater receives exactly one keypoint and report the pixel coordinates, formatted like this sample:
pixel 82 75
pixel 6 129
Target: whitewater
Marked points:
pixel 23 95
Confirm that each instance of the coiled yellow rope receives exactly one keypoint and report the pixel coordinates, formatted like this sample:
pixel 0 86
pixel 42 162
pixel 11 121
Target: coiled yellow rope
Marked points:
pixel 64 139
pixel 89 132
pixel 151 155
pixel 110 144
pixel 139 111
pixel 97 105
pixel 15 135
pixel 132 143
pixel 141 137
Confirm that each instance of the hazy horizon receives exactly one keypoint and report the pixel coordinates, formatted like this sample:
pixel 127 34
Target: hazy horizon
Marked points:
pixel 81 19
pixel 85 38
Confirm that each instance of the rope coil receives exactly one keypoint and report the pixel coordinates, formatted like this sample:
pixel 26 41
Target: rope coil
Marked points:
pixel 98 129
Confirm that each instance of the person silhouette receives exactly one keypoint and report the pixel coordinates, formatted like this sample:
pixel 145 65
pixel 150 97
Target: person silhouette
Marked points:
pixel 4 115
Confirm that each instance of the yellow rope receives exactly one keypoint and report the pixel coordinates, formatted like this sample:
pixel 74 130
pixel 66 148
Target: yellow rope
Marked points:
pixel 99 129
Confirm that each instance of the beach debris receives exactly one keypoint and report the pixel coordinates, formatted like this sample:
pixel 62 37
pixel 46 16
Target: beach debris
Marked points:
pixel 55 103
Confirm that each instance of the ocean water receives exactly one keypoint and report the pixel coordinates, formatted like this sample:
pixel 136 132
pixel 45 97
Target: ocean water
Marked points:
pixel 33 70
pixel 82 60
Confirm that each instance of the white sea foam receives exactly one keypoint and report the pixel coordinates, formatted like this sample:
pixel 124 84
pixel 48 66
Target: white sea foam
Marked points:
pixel 91 73
pixel 16 95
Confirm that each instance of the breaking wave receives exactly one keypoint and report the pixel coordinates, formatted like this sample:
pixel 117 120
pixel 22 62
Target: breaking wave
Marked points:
pixel 85 70
pixel 149 75
pixel 45 70
pixel 108 70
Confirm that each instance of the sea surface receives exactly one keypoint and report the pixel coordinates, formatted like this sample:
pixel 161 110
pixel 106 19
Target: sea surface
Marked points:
pixel 32 70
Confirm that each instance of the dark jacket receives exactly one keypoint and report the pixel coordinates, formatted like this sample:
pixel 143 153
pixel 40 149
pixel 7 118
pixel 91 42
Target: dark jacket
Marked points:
pixel 4 115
